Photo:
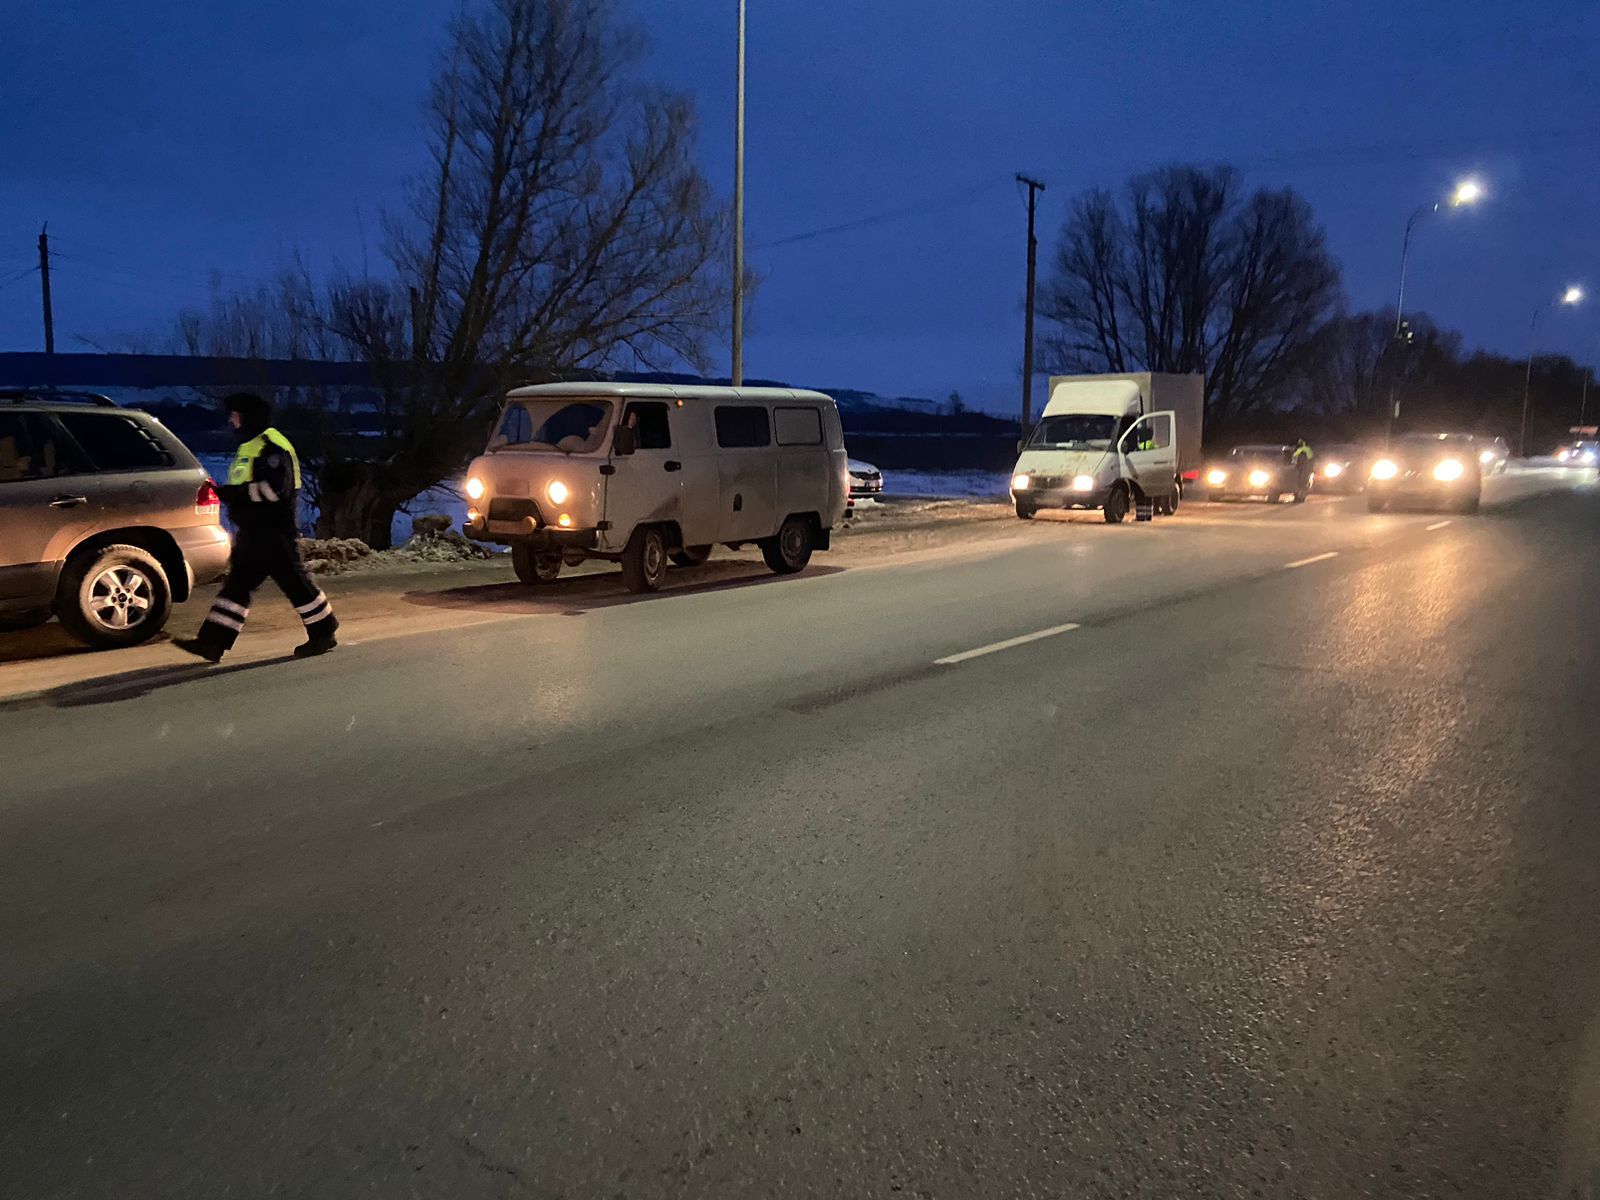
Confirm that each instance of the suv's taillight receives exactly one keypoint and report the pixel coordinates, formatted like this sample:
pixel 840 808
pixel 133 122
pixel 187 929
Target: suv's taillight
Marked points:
pixel 206 501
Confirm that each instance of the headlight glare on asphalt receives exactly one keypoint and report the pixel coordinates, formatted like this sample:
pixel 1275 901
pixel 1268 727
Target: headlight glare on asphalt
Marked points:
pixel 1020 483
pixel 557 491
pixel 475 488
pixel 1083 483
pixel 1384 468
pixel 1448 470
pixel 1260 478
pixel 1333 470
pixel 1216 478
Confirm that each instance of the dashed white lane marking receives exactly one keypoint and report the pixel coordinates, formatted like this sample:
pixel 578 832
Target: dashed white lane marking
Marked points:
pixel 1437 525
pixel 993 647
pixel 1315 558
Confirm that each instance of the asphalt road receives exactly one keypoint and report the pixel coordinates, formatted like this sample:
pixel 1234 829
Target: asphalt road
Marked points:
pixel 1270 867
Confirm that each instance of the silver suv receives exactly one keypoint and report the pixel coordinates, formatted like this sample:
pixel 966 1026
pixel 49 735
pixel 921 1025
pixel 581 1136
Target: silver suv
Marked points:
pixel 106 519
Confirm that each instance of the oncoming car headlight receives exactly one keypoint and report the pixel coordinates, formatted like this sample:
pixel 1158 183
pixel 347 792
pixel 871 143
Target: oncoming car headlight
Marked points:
pixel 557 491
pixel 1486 457
pixel 475 488
pixel 1083 483
pixel 1020 483
pixel 1448 470
pixel 1384 468
pixel 1260 478
pixel 1333 470
pixel 1216 478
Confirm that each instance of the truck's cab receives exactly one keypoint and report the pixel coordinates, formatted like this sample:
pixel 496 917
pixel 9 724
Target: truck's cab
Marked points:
pixel 1102 443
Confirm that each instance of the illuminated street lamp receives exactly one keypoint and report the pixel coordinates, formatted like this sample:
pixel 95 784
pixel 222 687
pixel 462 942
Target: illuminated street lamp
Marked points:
pixel 1571 295
pixel 1467 191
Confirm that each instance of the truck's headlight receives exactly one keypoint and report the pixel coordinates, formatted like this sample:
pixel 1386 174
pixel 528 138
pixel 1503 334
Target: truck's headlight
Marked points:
pixel 1020 483
pixel 557 491
pixel 1260 478
pixel 475 488
pixel 1384 468
pixel 1216 478
pixel 1083 483
pixel 1449 470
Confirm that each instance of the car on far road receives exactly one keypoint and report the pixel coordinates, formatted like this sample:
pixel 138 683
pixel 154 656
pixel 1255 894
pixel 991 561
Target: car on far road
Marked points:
pixel 1266 471
pixel 1494 455
pixel 106 519
pixel 1340 468
pixel 1579 454
pixel 866 481
pixel 1428 470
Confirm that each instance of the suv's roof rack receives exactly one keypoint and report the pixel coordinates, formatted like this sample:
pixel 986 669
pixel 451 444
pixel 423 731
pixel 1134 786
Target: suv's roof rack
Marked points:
pixel 54 395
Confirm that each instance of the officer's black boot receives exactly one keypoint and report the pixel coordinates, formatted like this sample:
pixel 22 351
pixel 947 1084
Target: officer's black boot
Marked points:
pixel 200 648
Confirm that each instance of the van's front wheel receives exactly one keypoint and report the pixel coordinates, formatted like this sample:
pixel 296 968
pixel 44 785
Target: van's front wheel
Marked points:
pixel 535 566
pixel 644 560
pixel 1116 510
pixel 791 550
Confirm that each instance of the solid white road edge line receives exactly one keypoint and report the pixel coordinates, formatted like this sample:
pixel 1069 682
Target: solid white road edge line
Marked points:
pixel 1315 558
pixel 1437 525
pixel 993 647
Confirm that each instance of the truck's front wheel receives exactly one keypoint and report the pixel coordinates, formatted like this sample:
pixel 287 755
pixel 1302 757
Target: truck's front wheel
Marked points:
pixel 1117 505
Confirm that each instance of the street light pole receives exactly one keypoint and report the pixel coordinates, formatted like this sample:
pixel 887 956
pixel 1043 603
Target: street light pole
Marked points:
pixel 1572 295
pixel 1034 188
pixel 737 373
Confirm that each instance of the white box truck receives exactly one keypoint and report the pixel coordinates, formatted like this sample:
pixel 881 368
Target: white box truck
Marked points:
pixel 1119 443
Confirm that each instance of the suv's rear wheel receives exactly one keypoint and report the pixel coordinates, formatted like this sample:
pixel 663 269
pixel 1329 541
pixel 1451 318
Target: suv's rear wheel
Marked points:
pixel 114 596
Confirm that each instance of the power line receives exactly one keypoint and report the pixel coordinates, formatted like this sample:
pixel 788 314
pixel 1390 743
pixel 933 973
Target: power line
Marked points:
pixel 933 204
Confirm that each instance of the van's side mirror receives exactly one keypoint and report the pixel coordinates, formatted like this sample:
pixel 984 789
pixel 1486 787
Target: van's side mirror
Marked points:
pixel 625 442
pixel 1021 442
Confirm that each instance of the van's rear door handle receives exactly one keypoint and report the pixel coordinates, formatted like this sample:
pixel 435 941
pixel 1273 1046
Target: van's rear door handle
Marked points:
pixel 673 464
pixel 68 501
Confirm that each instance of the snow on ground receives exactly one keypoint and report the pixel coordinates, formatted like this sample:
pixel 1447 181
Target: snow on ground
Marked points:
pixel 961 484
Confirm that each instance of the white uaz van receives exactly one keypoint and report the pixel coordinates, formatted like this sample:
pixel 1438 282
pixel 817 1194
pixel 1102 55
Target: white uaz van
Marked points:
pixel 643 473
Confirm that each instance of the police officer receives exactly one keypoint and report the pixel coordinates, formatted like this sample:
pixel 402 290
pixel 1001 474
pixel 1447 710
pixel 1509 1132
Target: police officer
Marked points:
pixel 1302 466
pixel 261 494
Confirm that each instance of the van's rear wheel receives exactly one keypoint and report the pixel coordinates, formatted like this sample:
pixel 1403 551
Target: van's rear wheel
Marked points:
pixel 535 566
pixel 791 550
pixel 644 560
pixel 691 556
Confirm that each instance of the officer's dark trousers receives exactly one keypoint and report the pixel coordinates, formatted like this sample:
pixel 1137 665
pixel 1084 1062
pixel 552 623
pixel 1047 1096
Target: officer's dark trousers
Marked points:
pixel 257 556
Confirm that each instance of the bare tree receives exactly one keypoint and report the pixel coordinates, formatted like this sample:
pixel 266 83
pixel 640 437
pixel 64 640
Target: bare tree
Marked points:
pixel 1190 274
pixel 1354 364
pixel 560 226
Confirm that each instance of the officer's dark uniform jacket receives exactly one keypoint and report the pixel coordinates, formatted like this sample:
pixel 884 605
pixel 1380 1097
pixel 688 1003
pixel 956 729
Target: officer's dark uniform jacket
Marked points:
pixel 261 494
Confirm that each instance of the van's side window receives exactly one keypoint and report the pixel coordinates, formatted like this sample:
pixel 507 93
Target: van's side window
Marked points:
pixel 744 425
pixel 649 421
pixel 798 426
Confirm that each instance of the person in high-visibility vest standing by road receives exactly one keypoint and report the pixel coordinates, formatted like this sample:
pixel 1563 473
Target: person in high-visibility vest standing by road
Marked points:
pixel 1302 469
pixel 262 491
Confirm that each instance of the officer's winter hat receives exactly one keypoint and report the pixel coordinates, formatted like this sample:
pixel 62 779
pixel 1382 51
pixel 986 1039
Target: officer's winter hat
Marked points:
pixel 254 412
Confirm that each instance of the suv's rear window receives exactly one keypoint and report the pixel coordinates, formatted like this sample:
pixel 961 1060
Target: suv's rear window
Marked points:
pixel 116 443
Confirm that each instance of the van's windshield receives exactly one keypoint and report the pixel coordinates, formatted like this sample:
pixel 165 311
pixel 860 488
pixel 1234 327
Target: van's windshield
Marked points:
pixel 576 426
pixel 1075 430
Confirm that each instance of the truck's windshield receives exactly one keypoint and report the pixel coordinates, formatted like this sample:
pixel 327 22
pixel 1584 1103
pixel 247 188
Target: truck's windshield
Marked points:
pixel 570 426
pixel 1075 429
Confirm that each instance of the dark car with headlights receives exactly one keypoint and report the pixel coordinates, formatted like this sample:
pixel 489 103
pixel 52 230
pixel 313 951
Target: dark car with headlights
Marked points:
pixel 1340 468
pixel 1266 471
pixel 1428 470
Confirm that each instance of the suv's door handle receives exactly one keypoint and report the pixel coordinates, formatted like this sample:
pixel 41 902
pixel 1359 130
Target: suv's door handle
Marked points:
pixel 68 501
pixel 672 464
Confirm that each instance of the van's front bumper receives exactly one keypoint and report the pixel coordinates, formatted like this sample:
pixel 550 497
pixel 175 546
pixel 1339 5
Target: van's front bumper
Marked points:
pixel 1063 497
pixel 528 531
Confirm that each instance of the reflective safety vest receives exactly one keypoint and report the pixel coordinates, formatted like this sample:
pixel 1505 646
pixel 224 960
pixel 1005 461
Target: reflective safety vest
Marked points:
pixel 243 469
pixel 1302 450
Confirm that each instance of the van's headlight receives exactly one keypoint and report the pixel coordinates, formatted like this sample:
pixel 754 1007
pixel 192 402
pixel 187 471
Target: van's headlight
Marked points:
pixel 1083 483
pixel 475 488
pixel 557 491
pixel 1260 478
pixel 1216 478
pixel 1020 483
pixel 1384 468
pixel 1449 470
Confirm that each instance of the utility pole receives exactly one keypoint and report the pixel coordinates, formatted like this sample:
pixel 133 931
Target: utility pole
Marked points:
pixel 1034 188
pixel 44 288
pixel 736 376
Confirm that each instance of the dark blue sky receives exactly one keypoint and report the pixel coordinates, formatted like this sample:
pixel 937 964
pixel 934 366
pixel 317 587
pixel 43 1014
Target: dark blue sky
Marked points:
pixel 167 140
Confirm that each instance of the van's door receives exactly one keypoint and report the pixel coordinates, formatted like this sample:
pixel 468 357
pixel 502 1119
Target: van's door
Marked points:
pixel 1149 452
pixel 805 466
pixel 746 472
pixel 646 486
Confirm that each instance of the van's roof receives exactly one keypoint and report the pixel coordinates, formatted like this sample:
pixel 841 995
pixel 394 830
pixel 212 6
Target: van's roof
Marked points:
pixel 663 391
